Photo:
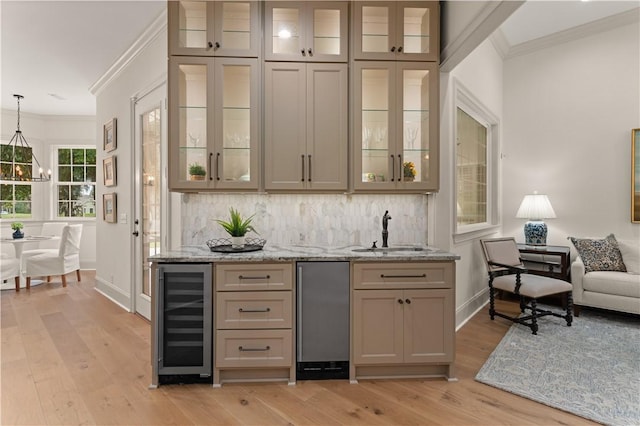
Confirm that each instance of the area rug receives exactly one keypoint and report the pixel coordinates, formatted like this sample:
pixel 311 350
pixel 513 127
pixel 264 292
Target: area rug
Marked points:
pixel 591 369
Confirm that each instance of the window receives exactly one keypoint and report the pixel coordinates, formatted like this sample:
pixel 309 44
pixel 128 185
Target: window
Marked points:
pixel 471 170
pixel 15 197
pixel 476 136
pixel 76 186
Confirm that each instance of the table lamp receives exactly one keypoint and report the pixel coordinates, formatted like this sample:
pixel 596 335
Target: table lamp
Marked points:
pixel 535 207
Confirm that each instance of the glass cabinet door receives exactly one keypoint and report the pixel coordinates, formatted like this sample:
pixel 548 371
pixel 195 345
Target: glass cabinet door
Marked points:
pixel 235 163
pixel 306 31
pixel 396 30
pixel 395 126
pixel 190 28
pixel 190 90
pixel 237 28
pixel 284 31
pixel 418 131
pixel 214 28
pixel 374 25
pixel 374 124
pixel 327 31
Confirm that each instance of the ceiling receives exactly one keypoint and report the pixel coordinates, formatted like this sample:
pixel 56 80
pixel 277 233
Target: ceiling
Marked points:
pixel 53 51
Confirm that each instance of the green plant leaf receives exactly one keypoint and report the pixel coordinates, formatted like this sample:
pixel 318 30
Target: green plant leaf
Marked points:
pixel 237 226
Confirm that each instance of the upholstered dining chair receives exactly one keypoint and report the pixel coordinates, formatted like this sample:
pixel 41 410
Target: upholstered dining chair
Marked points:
pixel 49 229
pixel 62 261
pixel 10 268
pixel 508 273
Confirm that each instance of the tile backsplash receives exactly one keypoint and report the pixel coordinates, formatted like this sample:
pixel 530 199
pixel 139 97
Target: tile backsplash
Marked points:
pixel 327 220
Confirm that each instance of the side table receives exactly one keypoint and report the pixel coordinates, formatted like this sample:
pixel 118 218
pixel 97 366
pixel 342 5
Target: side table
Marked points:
pixel 556 254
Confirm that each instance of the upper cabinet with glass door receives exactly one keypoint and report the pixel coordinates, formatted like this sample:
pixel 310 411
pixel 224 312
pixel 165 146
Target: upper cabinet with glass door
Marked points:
pixel 314 31
pixel 395 126
pixel 214 28
pixel 403 31
pixel 213 123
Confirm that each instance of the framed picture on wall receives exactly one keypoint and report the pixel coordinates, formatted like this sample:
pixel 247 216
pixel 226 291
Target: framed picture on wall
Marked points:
pixel 635 176
pixel 109 171
pixel 109 210
pixel 109 136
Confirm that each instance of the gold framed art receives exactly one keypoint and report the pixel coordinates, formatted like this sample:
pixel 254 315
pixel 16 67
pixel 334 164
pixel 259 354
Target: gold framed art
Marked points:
pixel 109 171
pixel 109 207
pixel 635 176
pixel 109 136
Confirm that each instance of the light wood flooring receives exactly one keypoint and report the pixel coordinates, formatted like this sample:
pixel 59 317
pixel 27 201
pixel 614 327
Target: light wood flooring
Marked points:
pixel 71 356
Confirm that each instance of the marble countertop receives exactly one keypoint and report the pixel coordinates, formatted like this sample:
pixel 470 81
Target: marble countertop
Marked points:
pixel 194 254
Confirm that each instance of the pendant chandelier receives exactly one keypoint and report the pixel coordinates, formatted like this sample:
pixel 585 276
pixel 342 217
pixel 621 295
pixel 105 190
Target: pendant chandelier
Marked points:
pixel 21 152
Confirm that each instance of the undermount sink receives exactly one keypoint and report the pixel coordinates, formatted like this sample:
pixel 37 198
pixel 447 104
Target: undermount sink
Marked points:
pixel 389 249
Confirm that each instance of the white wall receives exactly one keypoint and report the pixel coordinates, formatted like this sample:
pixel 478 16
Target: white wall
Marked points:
pixel 569 111
pixel 114 270
pixel 44 133
pixel 481 74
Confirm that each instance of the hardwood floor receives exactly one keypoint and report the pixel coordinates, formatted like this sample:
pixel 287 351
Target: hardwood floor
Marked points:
pixel 71 356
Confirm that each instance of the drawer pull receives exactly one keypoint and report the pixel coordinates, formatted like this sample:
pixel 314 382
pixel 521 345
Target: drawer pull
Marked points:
pixel 255 310
pixel 241 349
pixel 403 276
pixel 264 277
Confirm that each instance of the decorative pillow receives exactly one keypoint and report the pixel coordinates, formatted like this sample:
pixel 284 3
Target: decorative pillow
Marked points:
pixel 599 255
pixel 630 251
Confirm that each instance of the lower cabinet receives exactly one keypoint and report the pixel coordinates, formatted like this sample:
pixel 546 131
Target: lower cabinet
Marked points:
pixel 182 320
pixel 254 320
pixel 403 322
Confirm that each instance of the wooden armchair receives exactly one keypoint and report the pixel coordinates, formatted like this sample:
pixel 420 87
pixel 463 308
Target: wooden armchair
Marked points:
pixel 507 273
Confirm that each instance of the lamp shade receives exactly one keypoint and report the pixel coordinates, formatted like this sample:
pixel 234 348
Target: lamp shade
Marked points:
pixel 535 207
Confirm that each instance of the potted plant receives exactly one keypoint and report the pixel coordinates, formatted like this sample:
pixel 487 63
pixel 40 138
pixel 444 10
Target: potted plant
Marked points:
pixel 409 171
pixel 17 230
pixel 237 227
pixel 197 172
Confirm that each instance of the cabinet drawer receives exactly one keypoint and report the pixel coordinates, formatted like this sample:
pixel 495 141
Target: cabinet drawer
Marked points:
pixel 254 276
pixel 253 348
pixel 403 275
pixel 263 309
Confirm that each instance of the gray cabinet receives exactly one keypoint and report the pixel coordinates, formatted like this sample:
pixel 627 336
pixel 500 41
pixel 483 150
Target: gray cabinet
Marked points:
pixel 182 320
pixel 306 122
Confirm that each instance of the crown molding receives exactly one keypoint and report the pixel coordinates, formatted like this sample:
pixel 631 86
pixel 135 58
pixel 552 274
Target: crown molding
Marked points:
pixel 500 43
pixel 149 34
pixel 576 33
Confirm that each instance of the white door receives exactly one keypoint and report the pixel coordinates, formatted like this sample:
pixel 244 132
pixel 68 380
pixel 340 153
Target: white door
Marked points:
pixel 151 208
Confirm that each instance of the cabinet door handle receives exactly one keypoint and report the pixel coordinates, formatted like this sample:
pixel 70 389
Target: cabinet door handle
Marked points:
pixel 217 45
pixel 303 52
pixel 217 166
pixel 309 179
pixel 255 310
pixel 400 301
pixel 210 166
pixel 209 44
pixel 302 156
pixel 393 48
pixel 407 301
pixel 264 277
pixel 400 170
pixel 241 349
pixel 403 276
pixel 310 52
pixel 400 49
pixel 393 168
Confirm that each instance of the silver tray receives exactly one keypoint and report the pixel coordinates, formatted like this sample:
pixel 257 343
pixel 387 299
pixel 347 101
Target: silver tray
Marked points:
pixel 223 245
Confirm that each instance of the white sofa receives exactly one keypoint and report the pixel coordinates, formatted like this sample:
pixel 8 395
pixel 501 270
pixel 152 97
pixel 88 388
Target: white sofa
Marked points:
pixel 614 290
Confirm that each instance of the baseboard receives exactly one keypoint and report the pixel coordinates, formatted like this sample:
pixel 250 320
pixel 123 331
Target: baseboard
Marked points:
pixel 468 309
pixel 113 293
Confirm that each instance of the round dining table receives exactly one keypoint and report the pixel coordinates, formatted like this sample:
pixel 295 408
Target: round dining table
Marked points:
pixel 18 245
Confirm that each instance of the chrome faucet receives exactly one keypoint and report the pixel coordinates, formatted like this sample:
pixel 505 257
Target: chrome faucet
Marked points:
pixel 385 233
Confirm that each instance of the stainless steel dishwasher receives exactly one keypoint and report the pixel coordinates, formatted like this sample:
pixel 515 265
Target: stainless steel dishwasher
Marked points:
pixel 322 320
